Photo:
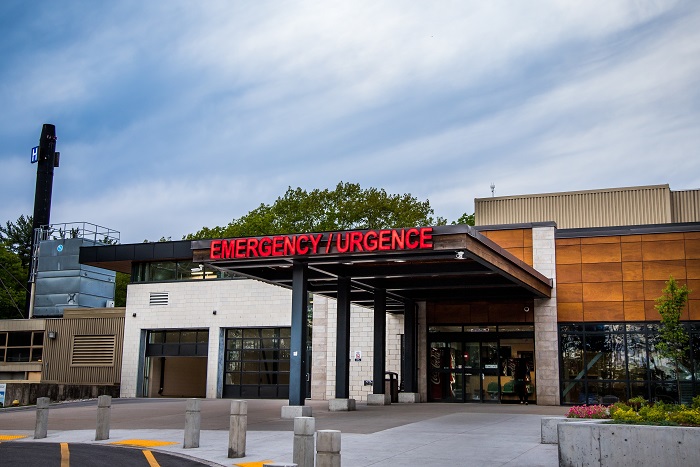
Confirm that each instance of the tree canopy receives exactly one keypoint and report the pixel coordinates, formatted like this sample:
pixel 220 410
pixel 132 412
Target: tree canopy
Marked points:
pixel 17 237
pixel 346 207
pixel 12 284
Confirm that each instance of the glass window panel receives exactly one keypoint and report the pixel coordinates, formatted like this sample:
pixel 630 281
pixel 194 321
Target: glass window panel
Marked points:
pixel 251 354
pixel 233 378
pixel 269 343
pixel 203 337
pixel 36 354
pixel 251 343
pixel 233 355
pixel 251 366
pixel 156 337
pixel 480 329
pixel 605 356
pixel 570 328
pixel 573 392
pixel 188 337
pixel 19 339
pixel 233 333
pixel 268 333
pixel 489 355
pixel 572 355
pixel 283 365
pixel 188 270
pixel 162 271
pixel 665 392
pixel 283 378
pixel 251 332
pixel 639 389
pixel 2 354
pixel 284 354
pixel 636 328
pixel 286 332
pixel 637 356
pixel 38 338
pixel 695 346
pixel 268 378
pixel 517 328
pixel 18 354
pixel 471 355
pixel 661 368
pixel 250 378
pixel 3 339
pixel 445 329
pixel 172 337
pixel 234 344
pixel 233 366
pixel 602 327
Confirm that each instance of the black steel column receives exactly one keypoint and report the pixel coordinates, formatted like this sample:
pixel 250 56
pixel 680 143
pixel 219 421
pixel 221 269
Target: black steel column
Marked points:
pixel 297 358
pixel 410 379
pixel 47 160
pixel 379 342
pixel 342 344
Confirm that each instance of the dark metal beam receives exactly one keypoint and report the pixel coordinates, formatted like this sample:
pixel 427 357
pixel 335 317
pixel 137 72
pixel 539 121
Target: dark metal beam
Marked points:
pixel 379 342
pixel 342 344
pixel 297 359
pixel 410 376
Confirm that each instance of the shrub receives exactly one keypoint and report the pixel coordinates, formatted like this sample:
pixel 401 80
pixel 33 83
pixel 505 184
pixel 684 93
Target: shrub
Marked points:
pixel 588 411
pixel 626 415
pixel 685 417
pixel 696 402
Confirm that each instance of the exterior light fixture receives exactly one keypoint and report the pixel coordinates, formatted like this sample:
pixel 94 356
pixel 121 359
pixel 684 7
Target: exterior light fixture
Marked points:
pixel 459 255
pixel 52 334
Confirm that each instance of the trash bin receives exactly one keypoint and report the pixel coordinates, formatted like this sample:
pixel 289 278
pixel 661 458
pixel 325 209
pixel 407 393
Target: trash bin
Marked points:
pixel 391 385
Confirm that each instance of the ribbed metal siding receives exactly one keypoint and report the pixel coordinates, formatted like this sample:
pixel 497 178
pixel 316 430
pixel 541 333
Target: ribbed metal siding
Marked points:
pixel 57 352
pixel 685 206
pixel 596 208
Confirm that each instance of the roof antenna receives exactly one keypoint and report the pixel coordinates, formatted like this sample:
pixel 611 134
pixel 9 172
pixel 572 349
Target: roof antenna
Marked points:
pixel 493 187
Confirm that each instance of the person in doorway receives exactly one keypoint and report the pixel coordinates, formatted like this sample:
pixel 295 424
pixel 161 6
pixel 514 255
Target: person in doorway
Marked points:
pixel 522 379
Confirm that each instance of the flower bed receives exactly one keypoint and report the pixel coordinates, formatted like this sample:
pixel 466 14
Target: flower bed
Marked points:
pixel 639 411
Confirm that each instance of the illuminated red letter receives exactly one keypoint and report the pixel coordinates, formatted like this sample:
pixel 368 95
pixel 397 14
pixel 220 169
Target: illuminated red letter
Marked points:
pixel 355 241
pixel 398 238
pixel 339 241
pixel 426 237
pixel 411 244
pixel 315 240
pixel 385 240
pixel 371 241
pixel 215 249
pixel 252 249
pixel 302 244
pixel 264 246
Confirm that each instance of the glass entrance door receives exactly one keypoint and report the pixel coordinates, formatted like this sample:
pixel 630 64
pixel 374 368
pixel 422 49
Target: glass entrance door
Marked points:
pixel 478 363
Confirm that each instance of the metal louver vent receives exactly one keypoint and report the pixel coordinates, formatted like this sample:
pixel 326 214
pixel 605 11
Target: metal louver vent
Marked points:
pixel 93 351
pixel 158 298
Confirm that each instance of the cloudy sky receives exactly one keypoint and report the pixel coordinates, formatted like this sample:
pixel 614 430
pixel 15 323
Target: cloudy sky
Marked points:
pixel 174 115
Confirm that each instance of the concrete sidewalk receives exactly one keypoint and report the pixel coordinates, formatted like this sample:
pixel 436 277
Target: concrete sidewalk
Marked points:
pixel 399 434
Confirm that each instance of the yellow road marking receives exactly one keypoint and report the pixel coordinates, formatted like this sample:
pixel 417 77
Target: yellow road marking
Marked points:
pixel 11 437
pixel 144 443
pixel 255 464
pixel 151 460
pixel 65 455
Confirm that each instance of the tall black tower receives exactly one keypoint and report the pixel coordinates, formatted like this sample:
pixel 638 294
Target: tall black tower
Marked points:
pixel 46 158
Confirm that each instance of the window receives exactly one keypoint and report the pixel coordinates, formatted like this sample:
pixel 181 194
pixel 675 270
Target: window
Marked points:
pixel 21 346
pixel 165 271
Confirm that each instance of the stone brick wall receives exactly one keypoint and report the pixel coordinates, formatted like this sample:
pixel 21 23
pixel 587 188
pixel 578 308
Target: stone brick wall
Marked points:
pixel 361 339
pixel 546 331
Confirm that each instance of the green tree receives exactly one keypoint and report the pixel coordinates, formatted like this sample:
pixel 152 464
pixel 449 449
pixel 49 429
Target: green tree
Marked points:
pixel 17 237
pixel 673 337
pixel 12 291
pixel 346 207
pixel 465 218
pixel 121 282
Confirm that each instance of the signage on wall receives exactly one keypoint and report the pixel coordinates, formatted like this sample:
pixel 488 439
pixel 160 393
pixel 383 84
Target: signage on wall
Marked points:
pixel 358 355
pixel 3 388
pixel 354 241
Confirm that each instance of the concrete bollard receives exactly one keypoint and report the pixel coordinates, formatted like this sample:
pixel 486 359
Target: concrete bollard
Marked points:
pixel 193 423
pixel 104 406
pixel 304 429
pixel 237 431
pixel 328 448
pixel 42 418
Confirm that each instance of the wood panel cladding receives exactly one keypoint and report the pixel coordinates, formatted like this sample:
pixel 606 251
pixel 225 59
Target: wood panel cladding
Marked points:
pixel 517 242
pixel 59 352
pixel 618 278
pixel 480 312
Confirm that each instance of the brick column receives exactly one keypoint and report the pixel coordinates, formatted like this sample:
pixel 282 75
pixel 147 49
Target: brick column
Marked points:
pixel 546 331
